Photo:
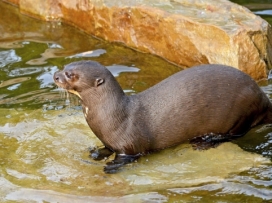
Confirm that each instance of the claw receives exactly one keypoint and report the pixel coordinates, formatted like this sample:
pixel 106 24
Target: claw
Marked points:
pixel 100 153
pixel 120 160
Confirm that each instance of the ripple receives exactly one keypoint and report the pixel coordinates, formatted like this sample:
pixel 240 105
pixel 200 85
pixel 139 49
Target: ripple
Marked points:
pixel 238 188
pixel 29 96
pixel 29 195
pixel 227 187
pixel 24 71
pixel 13 81
pixel 20 175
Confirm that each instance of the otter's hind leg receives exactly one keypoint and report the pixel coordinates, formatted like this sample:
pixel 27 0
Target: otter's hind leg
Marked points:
pixel 119 161
pixel 211 141
pixel 100 153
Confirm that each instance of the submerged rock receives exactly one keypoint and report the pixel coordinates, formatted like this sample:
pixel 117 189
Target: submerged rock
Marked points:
pixel 185 32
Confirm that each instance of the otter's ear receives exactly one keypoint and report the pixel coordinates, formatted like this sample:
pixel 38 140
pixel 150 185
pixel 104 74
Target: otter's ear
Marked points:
pixel 98 81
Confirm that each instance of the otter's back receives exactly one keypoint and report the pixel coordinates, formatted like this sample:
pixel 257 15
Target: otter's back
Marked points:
pixel 201 100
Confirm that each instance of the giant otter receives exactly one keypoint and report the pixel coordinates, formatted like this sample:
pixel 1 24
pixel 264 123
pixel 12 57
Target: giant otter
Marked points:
pixel 213 102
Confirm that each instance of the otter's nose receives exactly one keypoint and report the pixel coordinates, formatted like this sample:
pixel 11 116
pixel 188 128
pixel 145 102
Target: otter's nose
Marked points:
pixel 57 77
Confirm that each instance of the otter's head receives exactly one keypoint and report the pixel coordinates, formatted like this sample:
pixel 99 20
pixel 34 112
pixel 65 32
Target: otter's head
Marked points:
pixel 82 76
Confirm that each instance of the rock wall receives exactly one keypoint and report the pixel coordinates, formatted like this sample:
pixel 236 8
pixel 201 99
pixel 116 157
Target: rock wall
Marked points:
pixel 185 32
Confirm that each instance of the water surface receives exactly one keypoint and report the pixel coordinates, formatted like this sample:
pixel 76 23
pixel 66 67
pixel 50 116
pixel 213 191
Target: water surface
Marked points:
pixel 44 138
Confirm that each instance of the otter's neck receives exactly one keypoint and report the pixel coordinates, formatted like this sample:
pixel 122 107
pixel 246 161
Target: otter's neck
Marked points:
pixel 109 93
pixel 105 108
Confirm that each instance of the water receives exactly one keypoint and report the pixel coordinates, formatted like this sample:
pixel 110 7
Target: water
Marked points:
pixel 44 138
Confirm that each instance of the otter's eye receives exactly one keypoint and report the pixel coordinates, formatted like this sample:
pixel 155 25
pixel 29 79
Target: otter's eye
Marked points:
pixel 69 75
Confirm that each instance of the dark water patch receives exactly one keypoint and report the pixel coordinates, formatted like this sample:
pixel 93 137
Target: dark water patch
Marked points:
pixel 257 140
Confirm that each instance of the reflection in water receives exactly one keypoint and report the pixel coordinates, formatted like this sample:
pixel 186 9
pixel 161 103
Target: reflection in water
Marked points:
pixel 46 78
pixel 117 69
pixel 265 12
pixel 94 53
pixel 8 57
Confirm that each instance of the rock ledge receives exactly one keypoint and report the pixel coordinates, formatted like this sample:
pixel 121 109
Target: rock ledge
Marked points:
pixel 185 32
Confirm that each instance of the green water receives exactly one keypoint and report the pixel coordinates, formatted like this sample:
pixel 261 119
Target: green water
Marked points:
pixel 44 138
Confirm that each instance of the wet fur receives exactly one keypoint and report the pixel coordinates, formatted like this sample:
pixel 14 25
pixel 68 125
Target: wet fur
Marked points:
pixel 204 100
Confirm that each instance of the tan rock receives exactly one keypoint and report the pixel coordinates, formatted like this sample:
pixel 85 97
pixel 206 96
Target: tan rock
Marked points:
pixel 185 32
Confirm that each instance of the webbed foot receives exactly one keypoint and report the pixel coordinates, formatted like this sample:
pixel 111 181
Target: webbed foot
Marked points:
pixel 199 144
pixel 209 141
pixel 120 160
pixel 100 153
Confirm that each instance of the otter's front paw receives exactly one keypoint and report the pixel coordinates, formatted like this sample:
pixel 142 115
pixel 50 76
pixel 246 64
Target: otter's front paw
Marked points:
pixel 100 153
pixel 120 160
